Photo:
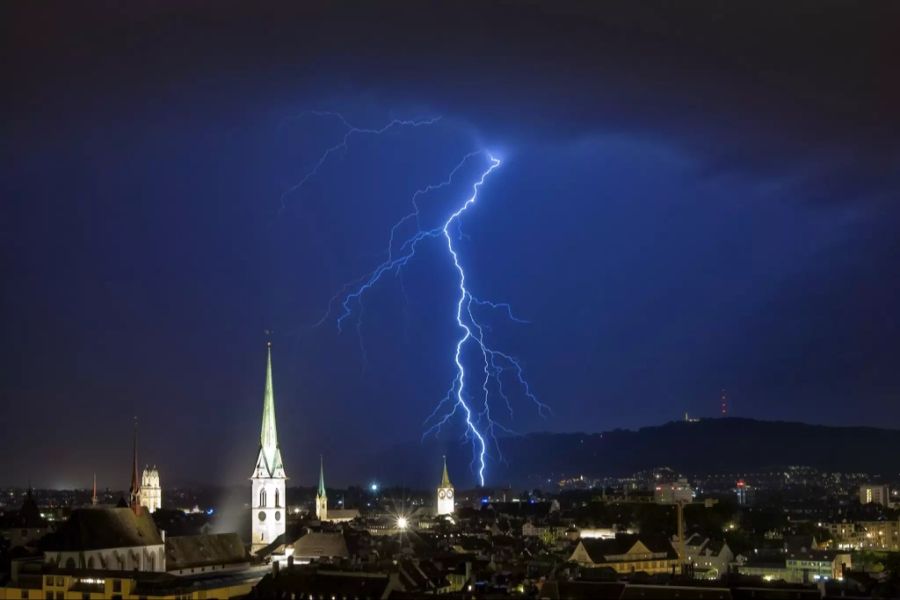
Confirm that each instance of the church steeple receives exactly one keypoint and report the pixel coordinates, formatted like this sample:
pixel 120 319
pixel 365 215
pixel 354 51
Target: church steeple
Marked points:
pixel 321 497
pixel 445 480
pixel 135 493
pixel 269 463
pixel 268 487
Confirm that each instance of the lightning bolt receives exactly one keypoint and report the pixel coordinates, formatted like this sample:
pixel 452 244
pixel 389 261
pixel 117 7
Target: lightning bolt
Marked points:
pixel 349 131
pixel 480 425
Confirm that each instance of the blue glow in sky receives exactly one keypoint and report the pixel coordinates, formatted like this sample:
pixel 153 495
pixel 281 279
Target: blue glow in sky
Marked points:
pixel 685 204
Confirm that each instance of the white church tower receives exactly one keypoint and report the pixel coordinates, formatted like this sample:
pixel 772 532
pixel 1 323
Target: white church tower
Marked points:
pixel 445 494
pixel 268 501
pixel 151 492
pixel 321 496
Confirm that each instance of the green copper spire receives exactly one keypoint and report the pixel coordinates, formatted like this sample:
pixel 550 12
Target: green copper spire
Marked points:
pixel 269 453
pixel 321 476
pixel 445 480
pixel 268 438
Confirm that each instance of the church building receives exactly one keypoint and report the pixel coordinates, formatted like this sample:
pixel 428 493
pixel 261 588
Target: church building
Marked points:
pixel 334 515
pixel 268 482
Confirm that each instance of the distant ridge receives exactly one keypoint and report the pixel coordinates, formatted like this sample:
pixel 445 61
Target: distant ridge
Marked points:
pixel 715 445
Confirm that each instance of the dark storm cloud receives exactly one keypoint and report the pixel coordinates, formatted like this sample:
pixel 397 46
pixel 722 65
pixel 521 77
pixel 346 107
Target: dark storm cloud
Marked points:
pixel 746 87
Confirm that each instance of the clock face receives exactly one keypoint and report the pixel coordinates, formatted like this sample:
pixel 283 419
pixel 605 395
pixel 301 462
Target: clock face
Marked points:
pixel 441 494
pixel 449 493
pixel 262 515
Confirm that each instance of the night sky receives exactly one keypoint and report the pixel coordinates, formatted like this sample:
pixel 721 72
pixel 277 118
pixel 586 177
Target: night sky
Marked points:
pixel 693 197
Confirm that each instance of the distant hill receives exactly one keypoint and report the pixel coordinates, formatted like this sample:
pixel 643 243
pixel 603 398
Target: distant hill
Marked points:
pixel 707 446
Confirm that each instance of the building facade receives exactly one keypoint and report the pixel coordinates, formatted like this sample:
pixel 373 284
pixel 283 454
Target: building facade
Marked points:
pixel 115 539
pixel 874 494
pixel 38 581
pixel 865 535
pixel 627 554
pixel 671 493
pixel 796 567
pixel 268 481
pixel 707 558
pixel 816 565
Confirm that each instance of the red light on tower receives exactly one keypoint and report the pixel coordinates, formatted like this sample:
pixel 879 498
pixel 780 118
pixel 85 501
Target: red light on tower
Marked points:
pixel 724 403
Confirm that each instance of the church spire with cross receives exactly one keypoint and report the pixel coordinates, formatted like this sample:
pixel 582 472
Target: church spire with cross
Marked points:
pixel 269 461
pixel 268 487
pixel 445 480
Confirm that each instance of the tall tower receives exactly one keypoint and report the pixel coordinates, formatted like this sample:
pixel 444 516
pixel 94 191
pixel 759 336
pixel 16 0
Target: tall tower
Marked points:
pixel 445 494
pixel 151 492
pixel 94 493
pixel 321 497
pixel 267 490
pixel 134 496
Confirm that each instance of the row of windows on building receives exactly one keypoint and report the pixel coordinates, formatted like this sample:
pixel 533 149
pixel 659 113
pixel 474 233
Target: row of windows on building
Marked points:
pixel 262 498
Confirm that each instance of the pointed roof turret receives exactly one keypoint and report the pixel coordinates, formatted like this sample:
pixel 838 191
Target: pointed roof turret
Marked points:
pixel 135 493
pixel 269 463
pixel 445 479
pixel 321 492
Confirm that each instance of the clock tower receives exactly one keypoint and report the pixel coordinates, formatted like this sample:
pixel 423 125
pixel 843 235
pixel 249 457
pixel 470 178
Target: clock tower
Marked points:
pixel 268 501
pixel 445 494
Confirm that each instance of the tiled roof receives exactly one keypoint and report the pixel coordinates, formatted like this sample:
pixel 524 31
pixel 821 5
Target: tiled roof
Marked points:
pixel 100 528
pixel 198 550
pixel 600 549
pixel 321 544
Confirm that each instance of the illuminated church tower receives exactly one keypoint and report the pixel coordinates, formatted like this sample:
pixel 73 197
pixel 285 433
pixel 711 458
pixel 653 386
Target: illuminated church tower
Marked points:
pixel 445 494
pixel 321 497
pixel 151 492
pixel 268 501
